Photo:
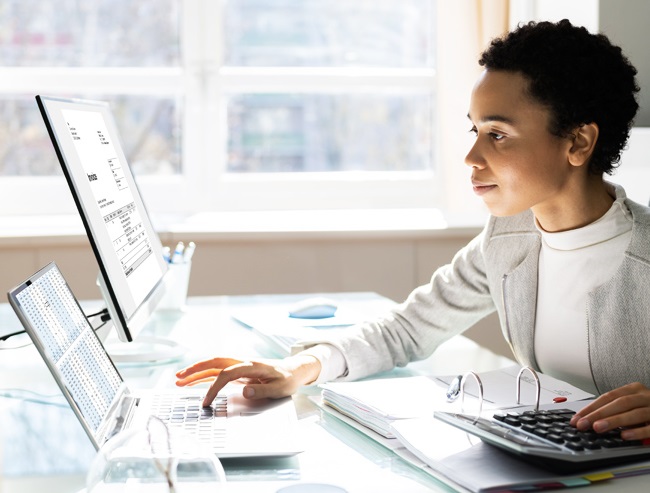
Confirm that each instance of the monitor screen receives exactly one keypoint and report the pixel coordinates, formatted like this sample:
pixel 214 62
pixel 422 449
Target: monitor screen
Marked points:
pixel 128 250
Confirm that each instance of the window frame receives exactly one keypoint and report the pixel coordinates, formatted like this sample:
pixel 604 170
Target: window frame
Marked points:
pixel 203 85
pixel 367 189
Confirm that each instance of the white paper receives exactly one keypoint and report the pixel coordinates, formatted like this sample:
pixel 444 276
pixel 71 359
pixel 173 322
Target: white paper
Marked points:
pixel 377 403
pixel 392 398
pixel 500 388
pixel 450 452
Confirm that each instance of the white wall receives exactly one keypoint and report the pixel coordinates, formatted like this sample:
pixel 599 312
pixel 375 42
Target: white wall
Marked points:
pixel 634 169
pixel 626 24
pixel 391 264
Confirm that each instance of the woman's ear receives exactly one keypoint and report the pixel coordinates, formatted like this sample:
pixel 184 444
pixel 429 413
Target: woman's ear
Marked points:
pixel 584 141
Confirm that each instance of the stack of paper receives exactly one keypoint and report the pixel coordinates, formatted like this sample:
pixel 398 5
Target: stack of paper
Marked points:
pixel 491 469
pixel 398 413
pixel 378 403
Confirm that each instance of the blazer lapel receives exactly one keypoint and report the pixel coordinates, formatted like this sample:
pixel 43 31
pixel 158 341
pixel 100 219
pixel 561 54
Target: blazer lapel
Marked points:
pixel 520 302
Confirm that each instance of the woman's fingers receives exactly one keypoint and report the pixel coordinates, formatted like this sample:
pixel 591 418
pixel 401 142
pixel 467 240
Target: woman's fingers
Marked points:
pixel 198 377
pixel 255 370
pixel 208 364
pixel 262 379
pixel 627 406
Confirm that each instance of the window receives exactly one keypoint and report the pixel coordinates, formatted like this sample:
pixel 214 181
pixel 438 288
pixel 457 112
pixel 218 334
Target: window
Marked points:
pixel 222 105
pixel 328 103
pixel 125 52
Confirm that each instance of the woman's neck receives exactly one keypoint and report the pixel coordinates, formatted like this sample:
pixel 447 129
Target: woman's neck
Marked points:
pixel 583 206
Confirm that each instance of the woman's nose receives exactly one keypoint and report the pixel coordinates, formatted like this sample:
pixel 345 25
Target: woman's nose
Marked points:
pixel 474 158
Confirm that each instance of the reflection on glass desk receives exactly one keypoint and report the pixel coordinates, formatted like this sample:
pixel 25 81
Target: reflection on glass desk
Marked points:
pixel 45 448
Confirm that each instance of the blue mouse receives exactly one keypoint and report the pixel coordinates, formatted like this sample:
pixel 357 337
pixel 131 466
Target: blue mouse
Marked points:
pixel 312 308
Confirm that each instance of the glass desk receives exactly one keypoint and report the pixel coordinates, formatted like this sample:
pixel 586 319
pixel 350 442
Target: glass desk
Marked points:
pixel 45 448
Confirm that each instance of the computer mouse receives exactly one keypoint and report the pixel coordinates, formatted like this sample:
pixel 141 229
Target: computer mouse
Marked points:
pixel 311 308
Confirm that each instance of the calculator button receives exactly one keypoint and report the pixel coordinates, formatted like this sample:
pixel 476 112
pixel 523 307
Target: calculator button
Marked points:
pixel 575 446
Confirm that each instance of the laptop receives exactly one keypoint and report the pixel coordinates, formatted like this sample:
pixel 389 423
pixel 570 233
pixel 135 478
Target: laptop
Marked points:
pixel 105 405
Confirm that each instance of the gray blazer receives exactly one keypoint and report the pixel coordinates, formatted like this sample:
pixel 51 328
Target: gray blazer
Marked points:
pixel 497 270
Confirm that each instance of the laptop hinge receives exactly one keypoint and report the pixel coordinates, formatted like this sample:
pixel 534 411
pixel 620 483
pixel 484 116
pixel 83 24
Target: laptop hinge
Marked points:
pixel 121 416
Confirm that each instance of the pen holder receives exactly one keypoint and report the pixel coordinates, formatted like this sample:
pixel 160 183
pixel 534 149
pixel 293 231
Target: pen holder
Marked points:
pixel 177 281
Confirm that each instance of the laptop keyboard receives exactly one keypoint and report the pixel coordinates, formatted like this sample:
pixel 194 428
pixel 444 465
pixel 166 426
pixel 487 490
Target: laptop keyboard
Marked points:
pixel 186 413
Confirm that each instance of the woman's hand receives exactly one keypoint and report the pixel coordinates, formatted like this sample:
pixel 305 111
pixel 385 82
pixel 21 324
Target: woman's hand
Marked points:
pixel 627 406
pixel 265 378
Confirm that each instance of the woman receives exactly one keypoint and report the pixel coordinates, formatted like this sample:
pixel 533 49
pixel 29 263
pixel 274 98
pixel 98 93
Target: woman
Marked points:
pixel 564 258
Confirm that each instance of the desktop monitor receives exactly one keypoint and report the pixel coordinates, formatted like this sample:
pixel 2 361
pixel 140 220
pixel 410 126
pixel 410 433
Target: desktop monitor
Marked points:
pixel 127 249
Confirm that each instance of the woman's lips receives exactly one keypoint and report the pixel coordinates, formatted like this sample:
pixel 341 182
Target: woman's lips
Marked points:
pixel 482 188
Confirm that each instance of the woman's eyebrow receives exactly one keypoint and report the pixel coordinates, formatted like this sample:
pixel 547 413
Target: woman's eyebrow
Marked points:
pixel 494 118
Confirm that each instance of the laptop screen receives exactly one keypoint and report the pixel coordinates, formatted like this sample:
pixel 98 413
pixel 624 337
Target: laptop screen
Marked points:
pixel 54 320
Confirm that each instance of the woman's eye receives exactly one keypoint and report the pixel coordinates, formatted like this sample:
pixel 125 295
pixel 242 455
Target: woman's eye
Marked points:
pixel 493 135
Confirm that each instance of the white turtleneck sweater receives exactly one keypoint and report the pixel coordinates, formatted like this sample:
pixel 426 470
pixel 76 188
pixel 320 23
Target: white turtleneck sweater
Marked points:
pixel 572 264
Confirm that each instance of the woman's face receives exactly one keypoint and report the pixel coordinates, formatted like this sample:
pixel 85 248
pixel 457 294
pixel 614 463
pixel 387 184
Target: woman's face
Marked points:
pixel 517 164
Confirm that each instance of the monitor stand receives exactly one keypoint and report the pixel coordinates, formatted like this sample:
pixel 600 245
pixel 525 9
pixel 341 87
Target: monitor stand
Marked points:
pixel 144 349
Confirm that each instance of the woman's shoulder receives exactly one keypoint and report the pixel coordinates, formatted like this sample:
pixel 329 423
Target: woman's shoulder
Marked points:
pixel 519 224
pixel 639 246
pixel 640 212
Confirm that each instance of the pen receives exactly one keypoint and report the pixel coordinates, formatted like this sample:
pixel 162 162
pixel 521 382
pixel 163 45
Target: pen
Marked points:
pixel 177 258
pixel 166 252
pixel 453 391
pixel 189 251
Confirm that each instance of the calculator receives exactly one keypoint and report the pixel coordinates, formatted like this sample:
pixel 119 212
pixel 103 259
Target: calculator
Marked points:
pixel 545 437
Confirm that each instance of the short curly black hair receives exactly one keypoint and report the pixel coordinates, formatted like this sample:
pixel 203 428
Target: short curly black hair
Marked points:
pixel 581 77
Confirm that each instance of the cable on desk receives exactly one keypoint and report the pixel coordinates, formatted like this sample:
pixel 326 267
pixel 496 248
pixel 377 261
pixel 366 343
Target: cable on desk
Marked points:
pixel 103 314
pixel 38 398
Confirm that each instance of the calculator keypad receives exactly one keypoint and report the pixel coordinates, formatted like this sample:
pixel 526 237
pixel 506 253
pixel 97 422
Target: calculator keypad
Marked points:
pixel 554 427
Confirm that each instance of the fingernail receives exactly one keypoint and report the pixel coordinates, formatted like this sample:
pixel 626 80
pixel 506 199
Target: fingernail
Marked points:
pixel 583 424
pixel 627 435
pixel 601 426
pixel 249 392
